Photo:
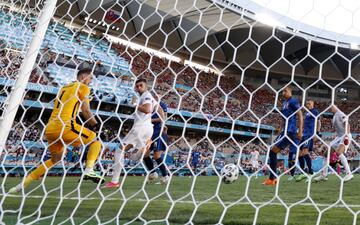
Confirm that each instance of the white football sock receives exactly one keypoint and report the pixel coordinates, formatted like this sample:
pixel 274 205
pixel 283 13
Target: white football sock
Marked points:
pixel 118 164
pixel 88 170
pixel 345 163
pixel 325 170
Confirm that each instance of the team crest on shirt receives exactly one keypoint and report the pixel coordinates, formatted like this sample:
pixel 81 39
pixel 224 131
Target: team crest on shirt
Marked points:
pixel 286 105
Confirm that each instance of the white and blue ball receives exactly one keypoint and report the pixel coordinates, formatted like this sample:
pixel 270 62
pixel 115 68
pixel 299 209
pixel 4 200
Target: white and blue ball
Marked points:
pixel 229 173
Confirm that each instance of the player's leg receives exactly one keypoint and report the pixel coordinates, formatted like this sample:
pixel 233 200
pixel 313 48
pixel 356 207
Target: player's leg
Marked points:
pixel 144 144
pixel 91 157
pixel 134 139
pixel 291 164
pixel 304 157
pixel 303 149
pixel 128 143
pixel 341 153
pixel 324 172
pixel 338 168
pixel 273 165
pixel 340 149
pixel 117 167
pixel 195 166
pixel 281 142
pixel 56 150
pixel 301 159
pixel 147 160
pixel 161 164
pixel 256 167
pixel 77 135
pixel 149 164
pixel 293 148
pixel 160 148
pixel 140 138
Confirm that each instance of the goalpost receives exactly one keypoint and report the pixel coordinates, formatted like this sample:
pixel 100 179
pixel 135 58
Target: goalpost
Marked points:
pixel 24 73
pixel 220 68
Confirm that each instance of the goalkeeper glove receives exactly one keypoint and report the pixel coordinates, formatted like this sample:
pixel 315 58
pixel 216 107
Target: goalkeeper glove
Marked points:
pixel 95 128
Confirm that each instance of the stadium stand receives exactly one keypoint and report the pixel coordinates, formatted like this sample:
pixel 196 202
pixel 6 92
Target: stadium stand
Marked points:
pixel 113 64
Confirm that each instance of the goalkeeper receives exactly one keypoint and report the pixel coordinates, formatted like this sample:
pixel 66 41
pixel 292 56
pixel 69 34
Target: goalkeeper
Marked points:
pixel 63 130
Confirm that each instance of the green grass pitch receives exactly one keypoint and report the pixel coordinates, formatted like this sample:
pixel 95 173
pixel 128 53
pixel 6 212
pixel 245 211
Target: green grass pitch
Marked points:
pixel 185 199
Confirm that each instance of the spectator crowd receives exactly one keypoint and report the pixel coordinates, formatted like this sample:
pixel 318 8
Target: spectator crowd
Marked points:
pixel 182 87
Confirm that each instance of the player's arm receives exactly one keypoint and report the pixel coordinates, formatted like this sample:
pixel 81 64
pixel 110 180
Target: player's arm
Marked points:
pixel 279 103
pixel 145 108
pixel 86 112
pixel 162 116
pixel 301 124
pixel 347 126
pixel 318 128
pixel 347 131
pixel 84 95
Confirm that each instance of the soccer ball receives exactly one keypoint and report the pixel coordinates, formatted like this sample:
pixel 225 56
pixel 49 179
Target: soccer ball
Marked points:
pixel 229 173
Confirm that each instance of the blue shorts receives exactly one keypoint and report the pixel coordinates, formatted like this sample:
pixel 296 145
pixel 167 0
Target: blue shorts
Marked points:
pixel 283 141
pixel 159 144
pixel 194 163
pixel 307 142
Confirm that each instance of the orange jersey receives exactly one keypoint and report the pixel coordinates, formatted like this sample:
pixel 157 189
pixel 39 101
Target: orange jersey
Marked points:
pixel 68 101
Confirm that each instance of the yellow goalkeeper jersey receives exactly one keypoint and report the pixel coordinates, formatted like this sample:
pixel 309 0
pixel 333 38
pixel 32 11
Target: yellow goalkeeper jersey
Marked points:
pixel 68 101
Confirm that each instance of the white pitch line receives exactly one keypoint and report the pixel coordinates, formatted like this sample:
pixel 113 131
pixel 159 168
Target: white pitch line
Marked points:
pixel 186 202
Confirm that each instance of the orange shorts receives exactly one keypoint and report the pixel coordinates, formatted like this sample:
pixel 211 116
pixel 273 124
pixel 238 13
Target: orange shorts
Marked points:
pixel 73 134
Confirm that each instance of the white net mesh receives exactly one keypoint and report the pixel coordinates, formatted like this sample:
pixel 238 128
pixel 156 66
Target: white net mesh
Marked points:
pixel 220 70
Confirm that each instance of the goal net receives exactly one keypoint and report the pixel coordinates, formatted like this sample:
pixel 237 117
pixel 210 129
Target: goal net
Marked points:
pixel 234 76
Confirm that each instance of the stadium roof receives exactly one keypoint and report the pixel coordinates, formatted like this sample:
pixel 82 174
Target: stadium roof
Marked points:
pixel 198 31
pixel 328 19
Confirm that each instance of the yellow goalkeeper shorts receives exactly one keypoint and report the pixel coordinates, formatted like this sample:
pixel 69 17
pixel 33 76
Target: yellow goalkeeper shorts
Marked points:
pixel 71 134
